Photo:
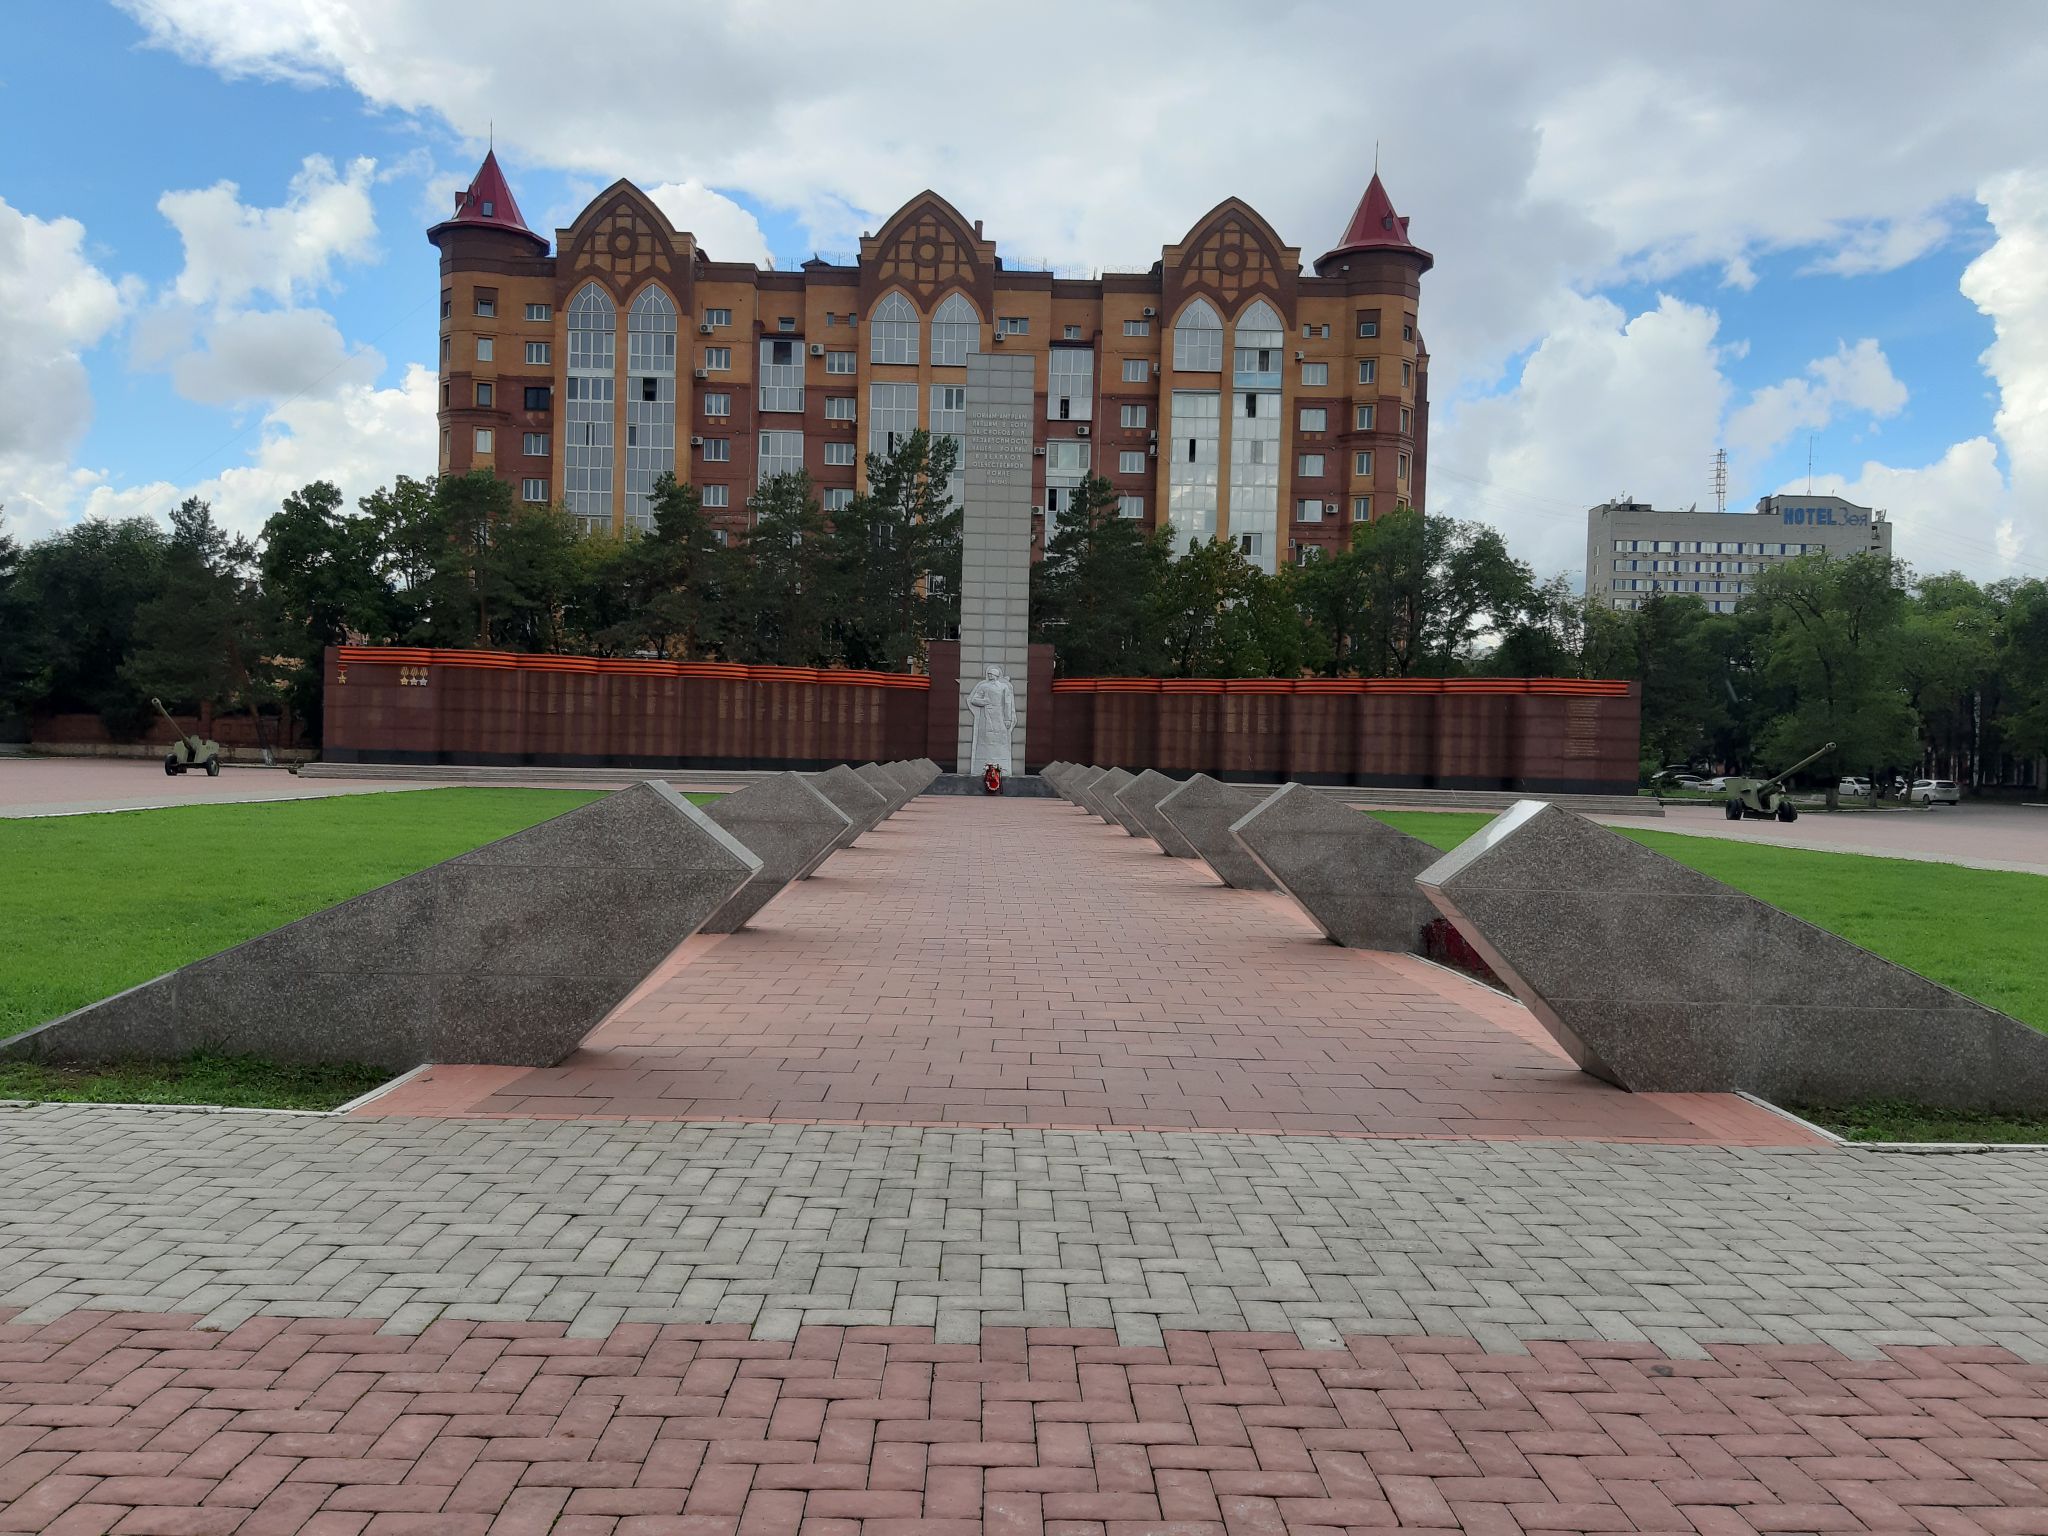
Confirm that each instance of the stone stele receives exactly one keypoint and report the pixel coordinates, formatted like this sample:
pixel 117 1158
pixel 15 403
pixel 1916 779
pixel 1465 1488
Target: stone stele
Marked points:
pixel 1203 812
pixel 1103 792
pixel 1059 775
pixel 508 955
pixel 1141 798
pixel 861 802
pixel 788 825
pixel 910 776
pixel 1355 876
pixel 1081 785
pixel 1663 980
pixel 887 785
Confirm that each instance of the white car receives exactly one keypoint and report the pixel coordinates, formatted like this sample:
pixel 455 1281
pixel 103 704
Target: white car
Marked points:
pixel 1934 792
pixel 1857 787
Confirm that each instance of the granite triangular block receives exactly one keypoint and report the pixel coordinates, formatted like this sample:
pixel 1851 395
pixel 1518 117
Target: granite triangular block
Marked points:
pixel 1202 811
pixel 1354 875
pixel 788 825
pixel 1662 979
pixel 508 955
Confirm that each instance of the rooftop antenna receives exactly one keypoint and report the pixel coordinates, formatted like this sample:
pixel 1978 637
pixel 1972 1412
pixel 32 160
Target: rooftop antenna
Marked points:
pixel 1375 157
pixel 490 135
pixel 1720 479
pixel 1809 463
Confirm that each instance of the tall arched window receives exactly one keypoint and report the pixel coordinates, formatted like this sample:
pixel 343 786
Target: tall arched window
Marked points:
pixel 1255 437
pixel 1259 334
pixel 1198 339
pixel 892 331
pixel 650 402
pixel 587 419
pixel 956 331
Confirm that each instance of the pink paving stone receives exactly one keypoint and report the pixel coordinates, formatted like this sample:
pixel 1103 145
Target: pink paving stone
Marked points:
pixel 1012 962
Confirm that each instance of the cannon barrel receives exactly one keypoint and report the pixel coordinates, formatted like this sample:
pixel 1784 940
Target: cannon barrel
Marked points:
pixel 1776 780
pixel 168 717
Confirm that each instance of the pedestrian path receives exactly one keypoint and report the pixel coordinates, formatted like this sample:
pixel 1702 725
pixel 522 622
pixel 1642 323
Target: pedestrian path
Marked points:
pixel 1088 1199
pixel 1015 962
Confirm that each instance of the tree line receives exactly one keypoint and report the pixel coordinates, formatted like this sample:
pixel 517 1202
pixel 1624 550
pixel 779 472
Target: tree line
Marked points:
pixel 1901 672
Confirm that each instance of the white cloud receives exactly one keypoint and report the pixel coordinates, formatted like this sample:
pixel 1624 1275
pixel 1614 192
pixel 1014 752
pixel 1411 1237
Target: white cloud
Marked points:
pixel 55 305
pixel 1608 405
pixel 725 231
pixel 272 355
pixel 1883 247
pixel 234 251
pixel 2009 282
pixel 1738 273
pixel 359 437
pixel 1857 378
pixel 1574 153
pixel 1948 515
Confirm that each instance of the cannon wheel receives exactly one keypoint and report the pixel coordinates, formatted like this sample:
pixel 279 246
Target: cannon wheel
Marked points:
pixel 171 766
pixel 213 767
pixel 1735 810
pixel 1787 811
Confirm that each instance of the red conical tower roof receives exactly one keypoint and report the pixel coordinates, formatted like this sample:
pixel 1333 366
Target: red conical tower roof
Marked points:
pixel 488 204
pixel 1374 226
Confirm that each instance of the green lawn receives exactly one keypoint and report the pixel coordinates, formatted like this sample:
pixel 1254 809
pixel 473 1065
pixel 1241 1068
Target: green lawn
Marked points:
pixel 1977 930
pixel 241 1082
pixel 94 904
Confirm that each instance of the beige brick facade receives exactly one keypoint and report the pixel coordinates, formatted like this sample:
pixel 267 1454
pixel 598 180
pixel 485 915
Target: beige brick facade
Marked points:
pixel 1350 348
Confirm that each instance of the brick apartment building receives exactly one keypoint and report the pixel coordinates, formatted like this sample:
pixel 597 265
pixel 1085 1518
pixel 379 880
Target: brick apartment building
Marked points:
pixel 1225 391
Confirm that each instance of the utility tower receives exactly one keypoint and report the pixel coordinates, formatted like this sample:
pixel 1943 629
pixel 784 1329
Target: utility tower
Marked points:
pixel 1720 479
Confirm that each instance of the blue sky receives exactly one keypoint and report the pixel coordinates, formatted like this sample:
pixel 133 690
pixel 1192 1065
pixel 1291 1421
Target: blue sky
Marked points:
pixel 1623 283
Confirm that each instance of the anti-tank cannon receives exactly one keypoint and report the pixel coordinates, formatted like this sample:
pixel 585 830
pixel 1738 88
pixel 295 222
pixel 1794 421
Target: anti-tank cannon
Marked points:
pixel 1767 799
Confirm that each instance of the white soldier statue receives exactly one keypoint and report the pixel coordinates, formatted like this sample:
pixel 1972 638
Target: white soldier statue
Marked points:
pixel 994 708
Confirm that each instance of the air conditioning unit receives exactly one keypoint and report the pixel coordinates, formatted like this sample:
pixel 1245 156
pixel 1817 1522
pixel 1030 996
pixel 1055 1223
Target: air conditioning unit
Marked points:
pixel 1148 311
pixel 703 373
pixel 696 442
pixel 1299 355
pixel 704 328
pixel 1038 452
pixel 1155 369
pixel 1152 436
pixel 1080 431
pixel 999 338
pixel 817 349
pixel 1153 449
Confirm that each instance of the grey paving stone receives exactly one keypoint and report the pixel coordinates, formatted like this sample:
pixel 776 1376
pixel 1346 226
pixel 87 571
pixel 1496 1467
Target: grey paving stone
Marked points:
pixel 765 1224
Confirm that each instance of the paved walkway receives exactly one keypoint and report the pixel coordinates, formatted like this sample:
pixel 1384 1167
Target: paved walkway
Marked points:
pixel 1014 962
pixel 1978 835
pixel 1497 1299
pixel 79 786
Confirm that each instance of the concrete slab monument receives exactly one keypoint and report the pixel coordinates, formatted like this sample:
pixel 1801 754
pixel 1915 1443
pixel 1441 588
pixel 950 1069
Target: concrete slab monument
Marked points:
pixel 885 784
pixel 1141 797
pixel 1203 811
pixel 1080 781
pixel 788 825
pixel 1102 794
pixel 910 776
pixel 1354 875
pixel 1122 810
pixel 1661 979
pixel 508 955
pixel 995 559
pixel 861 801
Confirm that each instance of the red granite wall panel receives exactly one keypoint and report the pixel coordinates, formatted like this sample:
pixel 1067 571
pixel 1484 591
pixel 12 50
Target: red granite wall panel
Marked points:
pixel 1472 741
pixel 1252 741
pixel 1322 732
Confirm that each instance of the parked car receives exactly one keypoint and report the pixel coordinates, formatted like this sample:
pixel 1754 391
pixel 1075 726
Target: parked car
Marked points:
pixel 1934 792
pixel 1687 781
pixel 1860 788
pixel 1720 782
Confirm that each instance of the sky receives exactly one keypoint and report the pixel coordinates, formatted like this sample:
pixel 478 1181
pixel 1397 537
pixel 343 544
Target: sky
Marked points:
pixel 1817 230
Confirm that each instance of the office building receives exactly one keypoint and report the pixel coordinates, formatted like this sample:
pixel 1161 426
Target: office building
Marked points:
pixel 1634 551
